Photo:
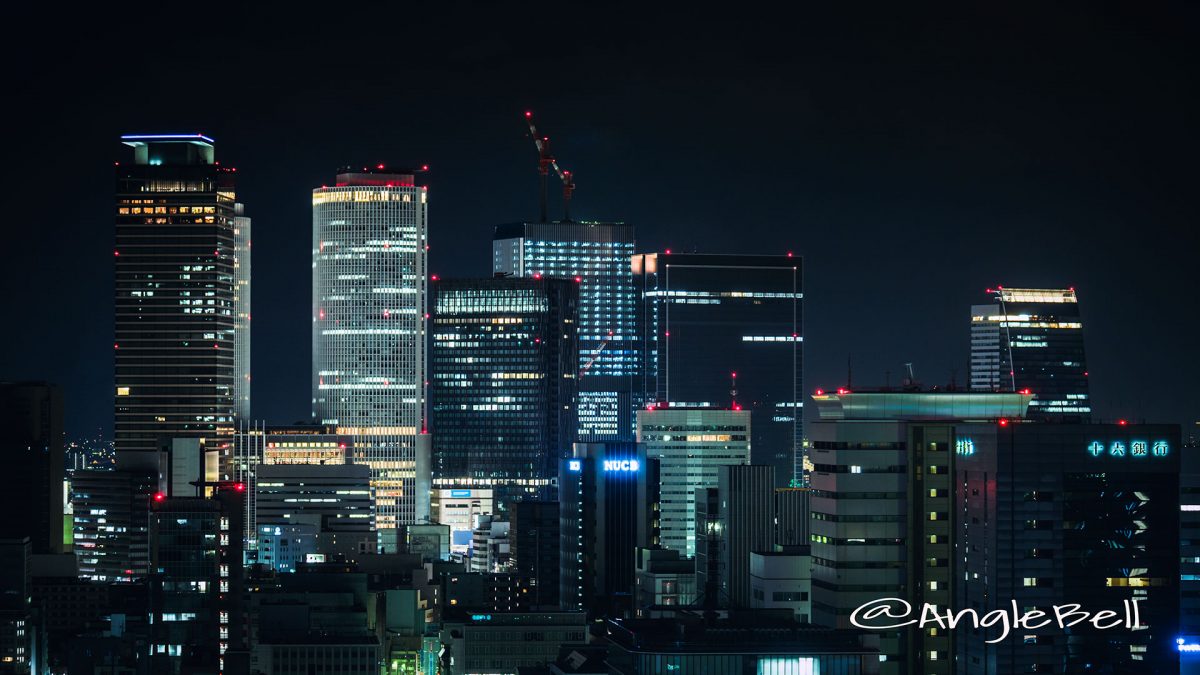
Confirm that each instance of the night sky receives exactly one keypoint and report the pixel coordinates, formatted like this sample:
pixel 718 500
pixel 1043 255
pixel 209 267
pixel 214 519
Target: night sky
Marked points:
pixel 912 159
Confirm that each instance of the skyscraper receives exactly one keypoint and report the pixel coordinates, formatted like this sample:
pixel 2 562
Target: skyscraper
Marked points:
pixel 503 380
pixel 369 312
pixel 726 331
pixel 597 256
pixel 690 445
pixel 1032 338
pixel 182 286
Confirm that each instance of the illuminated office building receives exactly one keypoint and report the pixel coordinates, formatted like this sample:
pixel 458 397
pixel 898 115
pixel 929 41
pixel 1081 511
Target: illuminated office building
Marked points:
pixel 726 331
pixel 597 256
pixel 260 446
pixel 690 445
pixel 182 265
pixel 1029 338
pixel 460 509
pixel 369 310
pixel 503 358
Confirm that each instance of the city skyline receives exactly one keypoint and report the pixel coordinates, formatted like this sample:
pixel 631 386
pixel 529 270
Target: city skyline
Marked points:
pixel 877 156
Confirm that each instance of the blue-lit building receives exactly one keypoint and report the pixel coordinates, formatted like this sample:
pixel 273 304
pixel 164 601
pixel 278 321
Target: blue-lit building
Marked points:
pixel 608 508
pixel 1031 338
pixel 1052 514
pixel 283 547
pixel 727 331
pixel 597 255
pixel 503 387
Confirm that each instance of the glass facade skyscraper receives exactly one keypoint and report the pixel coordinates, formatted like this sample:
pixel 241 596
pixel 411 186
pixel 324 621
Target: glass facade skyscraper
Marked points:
pixel 503 362
pixel 690 446
pixel 726 331
pixel 597 255
pixel 1030 338
pixel 182 265
pixel 369 310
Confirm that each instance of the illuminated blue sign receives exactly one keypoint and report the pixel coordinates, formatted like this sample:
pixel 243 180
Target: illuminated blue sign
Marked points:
pixel 964 447
pixel 574 465
pixel 460 493
pixel 621 465
pixel 1134 448
pixel 481 617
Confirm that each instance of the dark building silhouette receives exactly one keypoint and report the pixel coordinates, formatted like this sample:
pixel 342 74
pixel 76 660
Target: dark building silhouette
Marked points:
pixel 534 538
pixel 198 620
pixel 608 494
pixel 31 414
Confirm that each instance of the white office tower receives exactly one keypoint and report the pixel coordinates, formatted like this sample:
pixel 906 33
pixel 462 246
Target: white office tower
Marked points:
pixel 369 315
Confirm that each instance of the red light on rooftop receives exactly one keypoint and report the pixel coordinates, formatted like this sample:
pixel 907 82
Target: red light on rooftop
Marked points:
pixel 843 390
pixel 528 113
pixel 379 167
pixel 1003 422
pixel 158 496
pixel 820 392
pixel 433 277
pixel 537 275
pixel 737 407
pixel 116 253
pixel 240 487
pixel 1122 422
pixel 116 346
pixel 1025 391
pixel 424 167
pixel 649 406
pixel 789 254
pixel 578 279
pixel 733 374
pixel 668 251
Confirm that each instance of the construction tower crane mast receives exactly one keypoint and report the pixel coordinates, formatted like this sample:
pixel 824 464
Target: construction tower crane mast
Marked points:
pixel 546 161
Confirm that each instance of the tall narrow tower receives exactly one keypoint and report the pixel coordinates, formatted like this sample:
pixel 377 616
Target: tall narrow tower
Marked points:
pixel 369 315
pixel 181 346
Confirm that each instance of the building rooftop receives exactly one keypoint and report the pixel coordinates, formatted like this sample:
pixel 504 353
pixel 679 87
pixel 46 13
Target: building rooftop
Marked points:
pixel 907 404
pixel 1046 295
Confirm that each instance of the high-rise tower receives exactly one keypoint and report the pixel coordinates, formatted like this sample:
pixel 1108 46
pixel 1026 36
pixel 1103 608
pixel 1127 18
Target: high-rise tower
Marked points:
pixel 503 385
pixel 1030 338
pixel 597 256
pixel 182 265
pixel 723 330
pixel 369 314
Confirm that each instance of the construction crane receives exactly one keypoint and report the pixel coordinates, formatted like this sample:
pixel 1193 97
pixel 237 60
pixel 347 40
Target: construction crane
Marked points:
pixel 596 354
pixel 546 161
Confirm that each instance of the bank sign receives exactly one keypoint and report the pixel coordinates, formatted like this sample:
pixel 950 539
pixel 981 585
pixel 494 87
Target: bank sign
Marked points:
pixel 1133 448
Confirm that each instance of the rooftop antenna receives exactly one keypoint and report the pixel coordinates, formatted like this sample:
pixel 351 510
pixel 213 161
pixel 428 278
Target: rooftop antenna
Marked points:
pixel 911 379
pixel 849 373
pixel 733 391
